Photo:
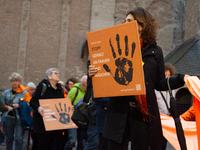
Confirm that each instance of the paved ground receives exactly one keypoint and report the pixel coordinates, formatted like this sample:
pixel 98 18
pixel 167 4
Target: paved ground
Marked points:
pixel 2 147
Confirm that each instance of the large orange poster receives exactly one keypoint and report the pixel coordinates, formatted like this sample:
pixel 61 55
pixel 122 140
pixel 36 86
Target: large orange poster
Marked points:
pixel 116 53
pixel 57 114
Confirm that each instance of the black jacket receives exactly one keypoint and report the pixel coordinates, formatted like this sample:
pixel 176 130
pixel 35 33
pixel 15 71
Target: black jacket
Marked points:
pixel 118 107
pixel 50 93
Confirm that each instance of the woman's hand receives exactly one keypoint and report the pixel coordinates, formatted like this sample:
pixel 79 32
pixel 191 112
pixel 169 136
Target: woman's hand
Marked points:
pixel 15 105
pixel 9 108
pixel 41 111
pixel 72 108
pixel 185 77
pixel 92 70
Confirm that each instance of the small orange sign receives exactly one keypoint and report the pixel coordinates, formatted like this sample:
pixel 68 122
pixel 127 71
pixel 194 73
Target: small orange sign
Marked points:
pixel 57 114
pixel 116 53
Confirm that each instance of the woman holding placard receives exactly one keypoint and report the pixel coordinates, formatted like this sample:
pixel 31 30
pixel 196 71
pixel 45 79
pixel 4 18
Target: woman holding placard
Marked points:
pixel 137 118
pixel 48 88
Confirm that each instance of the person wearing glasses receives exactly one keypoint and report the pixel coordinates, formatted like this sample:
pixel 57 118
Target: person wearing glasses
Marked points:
pixel 70 84
pixel 53 90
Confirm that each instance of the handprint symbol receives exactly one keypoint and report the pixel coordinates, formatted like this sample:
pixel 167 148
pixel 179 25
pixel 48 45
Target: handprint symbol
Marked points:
pixel 64 115
pixel 124 71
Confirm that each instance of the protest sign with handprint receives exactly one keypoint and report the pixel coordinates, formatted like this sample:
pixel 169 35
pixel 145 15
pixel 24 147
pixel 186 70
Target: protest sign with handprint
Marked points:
pixel 115 52
pixel 57 114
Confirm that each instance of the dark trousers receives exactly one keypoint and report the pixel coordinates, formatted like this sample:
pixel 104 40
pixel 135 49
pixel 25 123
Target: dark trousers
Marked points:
pixel 81 138
pixel 136 130
pixel 164 144
pixel 35 140
pixel 46 140
pixel 103 143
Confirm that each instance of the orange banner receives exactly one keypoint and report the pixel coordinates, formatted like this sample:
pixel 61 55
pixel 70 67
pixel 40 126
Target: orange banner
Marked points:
pixel 169 132
pixel 193 84
pixel 116 53
pixel 57 114
pixel 197 116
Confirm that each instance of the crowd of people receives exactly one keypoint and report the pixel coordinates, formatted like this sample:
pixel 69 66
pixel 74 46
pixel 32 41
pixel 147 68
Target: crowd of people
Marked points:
pixel 119 120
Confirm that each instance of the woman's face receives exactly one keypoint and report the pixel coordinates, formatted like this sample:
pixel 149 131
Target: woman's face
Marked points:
pixel 71 85
pixel 55 76
pixel 15 83
pixel 167 74
pixel 130 18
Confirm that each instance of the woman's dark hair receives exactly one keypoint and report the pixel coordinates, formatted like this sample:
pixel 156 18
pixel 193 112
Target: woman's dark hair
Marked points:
pixel 171 68
pixel 147 22
pixel 74 80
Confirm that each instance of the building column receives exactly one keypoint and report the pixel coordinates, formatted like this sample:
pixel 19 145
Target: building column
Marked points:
pixel 102 14
pixel 198 22
pixel 23 36
pixel 179 20
pixel 64 38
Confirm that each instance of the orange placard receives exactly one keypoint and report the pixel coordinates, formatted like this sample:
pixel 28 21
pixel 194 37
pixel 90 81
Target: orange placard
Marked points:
pixel 116 53
pixel 57 114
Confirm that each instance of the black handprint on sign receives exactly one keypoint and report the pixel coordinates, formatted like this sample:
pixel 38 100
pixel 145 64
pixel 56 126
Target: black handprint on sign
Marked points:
pixel 124 71
pixel 64 115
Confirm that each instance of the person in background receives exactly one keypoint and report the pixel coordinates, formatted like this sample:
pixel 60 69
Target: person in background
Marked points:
pixel 70 84
pixel 31 88
pixel 11 118
pixel 53 91
pixel 95 140
pixel 189 114
pixel 163 97
pixel 64 89
pixel 136 118
pixel 2 105
pixel 77 92
pixel 2 102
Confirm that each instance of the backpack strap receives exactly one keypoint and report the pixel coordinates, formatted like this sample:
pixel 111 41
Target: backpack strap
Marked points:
pixel 75 95
pixel 164 100
pixel 44 88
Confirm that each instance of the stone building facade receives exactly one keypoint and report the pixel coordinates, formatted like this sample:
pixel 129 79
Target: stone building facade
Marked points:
pixel 39 34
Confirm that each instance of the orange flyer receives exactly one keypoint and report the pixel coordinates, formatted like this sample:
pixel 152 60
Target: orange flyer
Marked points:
pixel 57 114
pixel 116 53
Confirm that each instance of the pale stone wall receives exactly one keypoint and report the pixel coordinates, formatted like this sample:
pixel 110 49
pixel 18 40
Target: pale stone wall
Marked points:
pixel 191 19
pixel 102 14
pixel 163 11
pixel 10 20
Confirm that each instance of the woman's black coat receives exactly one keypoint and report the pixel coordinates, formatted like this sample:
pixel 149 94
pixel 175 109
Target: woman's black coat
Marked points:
pixel 50 93
pixel 118 107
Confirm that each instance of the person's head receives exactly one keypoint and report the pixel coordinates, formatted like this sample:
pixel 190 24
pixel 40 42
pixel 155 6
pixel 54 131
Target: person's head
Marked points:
pixel 70 83
pixel 15 80
pixel 84 82
pixel 147 25
pixel 31 88
pixel 169 70
pixel 62 85
pixel 52 74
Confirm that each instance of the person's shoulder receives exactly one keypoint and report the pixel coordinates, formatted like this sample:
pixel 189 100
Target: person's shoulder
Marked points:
pixel 6 91
pixel 41 84
pixel 73 90
pixel 156 47
pixel 1 95
pixel 157 50
pixel 77 84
